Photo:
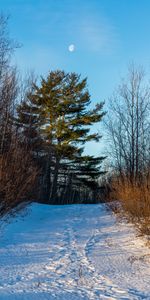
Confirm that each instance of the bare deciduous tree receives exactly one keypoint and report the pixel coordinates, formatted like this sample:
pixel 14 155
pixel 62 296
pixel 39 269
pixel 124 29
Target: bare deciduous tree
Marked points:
pixel 128 125
pixel 17 169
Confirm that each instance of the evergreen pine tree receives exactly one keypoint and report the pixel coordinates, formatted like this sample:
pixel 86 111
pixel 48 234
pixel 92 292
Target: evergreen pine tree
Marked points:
pixel 59 116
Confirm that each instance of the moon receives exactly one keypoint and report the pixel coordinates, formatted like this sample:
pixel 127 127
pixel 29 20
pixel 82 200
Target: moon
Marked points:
pixel 71 48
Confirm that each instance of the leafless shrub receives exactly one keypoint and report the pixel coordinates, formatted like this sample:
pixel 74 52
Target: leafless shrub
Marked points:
pixel 17 177
pixel 134 198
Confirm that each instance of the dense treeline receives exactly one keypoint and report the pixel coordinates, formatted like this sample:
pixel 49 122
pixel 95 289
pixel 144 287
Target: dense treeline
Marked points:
pixel 43 131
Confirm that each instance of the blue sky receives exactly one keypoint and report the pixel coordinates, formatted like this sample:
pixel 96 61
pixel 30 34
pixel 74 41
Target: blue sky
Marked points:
pixel 107 34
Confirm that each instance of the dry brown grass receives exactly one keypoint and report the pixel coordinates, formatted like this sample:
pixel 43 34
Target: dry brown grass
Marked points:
pixel 135 201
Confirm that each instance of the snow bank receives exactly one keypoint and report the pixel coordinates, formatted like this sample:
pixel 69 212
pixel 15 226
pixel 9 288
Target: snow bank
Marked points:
pixel 72 252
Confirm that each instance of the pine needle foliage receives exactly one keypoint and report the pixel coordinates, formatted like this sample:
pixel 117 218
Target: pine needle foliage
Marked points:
pixel 57 118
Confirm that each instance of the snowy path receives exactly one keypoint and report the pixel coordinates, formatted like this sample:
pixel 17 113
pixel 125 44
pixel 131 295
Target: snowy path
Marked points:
pixel 72 252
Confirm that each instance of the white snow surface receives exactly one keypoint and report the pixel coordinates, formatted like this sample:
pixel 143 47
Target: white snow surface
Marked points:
pixel 72 252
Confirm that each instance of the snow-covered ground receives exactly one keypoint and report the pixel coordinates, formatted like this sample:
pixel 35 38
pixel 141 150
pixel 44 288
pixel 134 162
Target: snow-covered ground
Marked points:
pixel 72 252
